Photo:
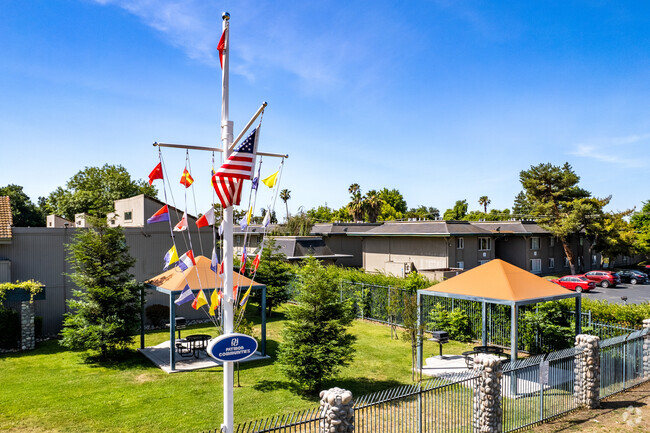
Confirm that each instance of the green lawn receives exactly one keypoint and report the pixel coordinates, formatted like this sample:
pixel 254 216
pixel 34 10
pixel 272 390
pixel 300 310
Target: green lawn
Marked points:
pixel 52 389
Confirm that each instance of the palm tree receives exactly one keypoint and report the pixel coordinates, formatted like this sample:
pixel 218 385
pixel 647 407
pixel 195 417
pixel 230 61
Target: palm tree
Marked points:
pixel 484 201
pixel 355 207
pixel 285 195
pixel 372 204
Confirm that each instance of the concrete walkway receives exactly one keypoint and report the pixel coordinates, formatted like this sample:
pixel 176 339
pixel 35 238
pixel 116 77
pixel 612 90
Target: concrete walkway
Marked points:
pixel 159 355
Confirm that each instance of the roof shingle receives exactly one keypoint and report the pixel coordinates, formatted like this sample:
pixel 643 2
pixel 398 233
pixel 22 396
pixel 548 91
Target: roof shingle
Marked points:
pixel 6 219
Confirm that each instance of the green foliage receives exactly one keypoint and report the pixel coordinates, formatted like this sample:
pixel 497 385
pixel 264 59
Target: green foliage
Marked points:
pixel 9 328
pixel 24 213
pixel 423 212
pixel 106 307
pixel 630 315
pixel 493 215
pixel 456 323
pixel 31 286
pixel 521 206
pixel 456 213
pixel 157 314
pixel 614 236
pixel 547 328
pixel 321 214
pixel 484 201
pixel 394 199
pixel 94 189
pixel 285 195
pixel 316 343
pixel 640 222
pixel 275 273
pixel 411 328
pixel 299 224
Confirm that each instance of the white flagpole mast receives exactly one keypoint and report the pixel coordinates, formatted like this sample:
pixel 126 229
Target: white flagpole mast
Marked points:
pixel 226 138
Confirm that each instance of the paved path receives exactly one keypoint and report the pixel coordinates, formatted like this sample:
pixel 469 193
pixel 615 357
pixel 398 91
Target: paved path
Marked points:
pixel 636 294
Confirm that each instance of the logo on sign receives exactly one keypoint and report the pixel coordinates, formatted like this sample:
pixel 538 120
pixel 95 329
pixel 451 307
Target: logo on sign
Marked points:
pixel 232 347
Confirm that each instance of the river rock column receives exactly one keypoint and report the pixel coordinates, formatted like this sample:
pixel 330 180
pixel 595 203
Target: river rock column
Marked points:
pixel 27 328
pixel 646 349
pixel 587 371
pixel 336 411
pixel 487 394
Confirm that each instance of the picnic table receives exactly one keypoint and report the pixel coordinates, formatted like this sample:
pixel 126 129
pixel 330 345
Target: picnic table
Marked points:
pixel 192 345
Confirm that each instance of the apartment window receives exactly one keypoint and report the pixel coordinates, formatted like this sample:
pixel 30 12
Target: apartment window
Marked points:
pixel 579 261
pixel 460 243
pixel 566 262
pixel 482 262
pixel 534 243
pixel 551 242
pixel 460 265
pixel 551 263
pixel 128 215
pixel 536 266
pixel 582 240
pixel 594 260
pixel 484 244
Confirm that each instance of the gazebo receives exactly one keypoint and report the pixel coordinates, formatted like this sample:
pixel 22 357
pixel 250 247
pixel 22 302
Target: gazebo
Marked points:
pixel 200 276
pixel 499 282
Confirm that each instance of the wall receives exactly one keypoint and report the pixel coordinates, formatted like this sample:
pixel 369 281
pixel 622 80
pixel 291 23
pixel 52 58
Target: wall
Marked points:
pixel 424 252
pixel 342 244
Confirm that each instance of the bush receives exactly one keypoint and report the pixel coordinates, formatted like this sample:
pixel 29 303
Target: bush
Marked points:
pixel 456 323
pixel 9 328
pixel 157 315
pixel 547 328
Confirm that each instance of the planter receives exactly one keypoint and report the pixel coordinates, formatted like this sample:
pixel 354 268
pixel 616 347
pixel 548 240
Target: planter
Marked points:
pixel 21 295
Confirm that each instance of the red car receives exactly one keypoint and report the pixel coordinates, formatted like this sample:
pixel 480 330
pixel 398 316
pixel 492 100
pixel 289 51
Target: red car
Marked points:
pixel 604 279
pixel 575 282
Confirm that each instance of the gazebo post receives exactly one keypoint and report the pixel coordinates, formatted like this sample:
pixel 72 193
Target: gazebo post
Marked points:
pixel 263 320
pixel 142 316
pixel 579 314
pixel 484 331
pixel 514 336
pixel 419 341
pixel 172 332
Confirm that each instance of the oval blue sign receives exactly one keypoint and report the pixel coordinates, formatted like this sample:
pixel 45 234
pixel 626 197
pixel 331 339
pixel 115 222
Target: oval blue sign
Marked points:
pixel 232 347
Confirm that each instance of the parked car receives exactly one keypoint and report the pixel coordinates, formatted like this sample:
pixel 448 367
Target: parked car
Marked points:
pixel 633 277
pixel 575 282
pixel 604 279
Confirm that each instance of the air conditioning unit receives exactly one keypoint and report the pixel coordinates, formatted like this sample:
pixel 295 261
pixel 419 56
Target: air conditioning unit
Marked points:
pixel 409 267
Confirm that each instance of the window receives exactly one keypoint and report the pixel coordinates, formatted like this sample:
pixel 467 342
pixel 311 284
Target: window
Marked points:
pixel 482 262
pixel 594 260
pixel 460 243
pixel 460 265
pixel 582 240
pixel 551 242
pixel 128 216
pixel 484 244
pixel 551 263
pixel 579 261
pixel 536 266
pixel 534 243
pixel 566 262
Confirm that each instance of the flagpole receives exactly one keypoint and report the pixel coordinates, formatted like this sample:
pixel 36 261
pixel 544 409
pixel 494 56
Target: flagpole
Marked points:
pixel 226 138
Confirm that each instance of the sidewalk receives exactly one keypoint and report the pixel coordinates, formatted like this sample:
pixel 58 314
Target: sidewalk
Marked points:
pixel 627 411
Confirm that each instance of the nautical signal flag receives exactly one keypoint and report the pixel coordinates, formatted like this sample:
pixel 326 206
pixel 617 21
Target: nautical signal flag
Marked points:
pixel 171 257
pixel 186 296
pixel 228 190
pixel 186 261
pixel 244 298
pixel 186 178
pixel 234 292
pixel 245 222
pixel 242 268
pixel 200 300
pixel 207 219
pixel 267 218
pixel 215 301
pixel 160 216
pixel 271 180
pixel 256 262
pixel 221 265
pixel 241 162
pixel 156 173
pixel 182 224
pixel 221 47
pixel 213 261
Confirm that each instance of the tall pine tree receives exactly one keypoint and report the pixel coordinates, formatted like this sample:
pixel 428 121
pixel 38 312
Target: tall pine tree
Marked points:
pixel 106 308
pixel 315 342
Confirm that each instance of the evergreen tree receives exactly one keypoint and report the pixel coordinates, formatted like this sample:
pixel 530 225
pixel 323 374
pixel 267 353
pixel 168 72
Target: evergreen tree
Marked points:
pixel 275 273
pixel 106 307
pixel 315 342
pixel 24 213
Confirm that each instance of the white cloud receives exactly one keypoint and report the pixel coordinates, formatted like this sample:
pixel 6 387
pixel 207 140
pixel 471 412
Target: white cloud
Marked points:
pixel 615 150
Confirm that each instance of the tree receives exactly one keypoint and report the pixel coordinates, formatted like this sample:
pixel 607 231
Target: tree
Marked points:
pixel 355 207
pixel 640 221
pixel 321 214
pixel 522 207
pixel 106 307
pixel 275 273
pixel 372 204
pixel 561 206
pixel 393 198
pixel 94 189
pixel 423 212
pixel 315 342
pixel 457 212
pixel 614 236
pixel 285 195
pixel 484 201
pixel 24 213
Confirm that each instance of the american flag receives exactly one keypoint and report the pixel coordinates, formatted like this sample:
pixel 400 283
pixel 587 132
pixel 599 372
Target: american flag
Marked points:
pixel 241 162
pixel 228 190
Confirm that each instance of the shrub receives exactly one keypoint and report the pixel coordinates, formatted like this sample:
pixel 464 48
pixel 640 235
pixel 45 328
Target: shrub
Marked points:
pixel 9 328
pixel 157 314
pixel 456 323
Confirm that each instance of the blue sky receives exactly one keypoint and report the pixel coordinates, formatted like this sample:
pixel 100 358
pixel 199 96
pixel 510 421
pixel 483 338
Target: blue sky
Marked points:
pixel 444 100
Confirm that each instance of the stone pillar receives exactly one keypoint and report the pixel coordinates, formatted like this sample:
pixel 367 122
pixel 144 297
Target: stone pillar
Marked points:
pixel 336 410
pixel 587 370
pixel 646 349
pixel 27 328
pixel 487 394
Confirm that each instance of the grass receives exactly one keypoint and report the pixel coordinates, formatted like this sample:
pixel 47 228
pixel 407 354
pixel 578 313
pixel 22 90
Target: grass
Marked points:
pixel 54 389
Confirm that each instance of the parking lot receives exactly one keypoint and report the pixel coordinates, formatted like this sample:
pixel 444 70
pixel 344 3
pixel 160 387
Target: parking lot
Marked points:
pixel 635 294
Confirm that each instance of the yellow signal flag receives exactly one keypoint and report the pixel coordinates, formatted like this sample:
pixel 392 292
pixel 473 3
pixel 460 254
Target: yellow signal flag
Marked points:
pixel 215 300
pixel 271 180
pixel 200 300
pixel 248 217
